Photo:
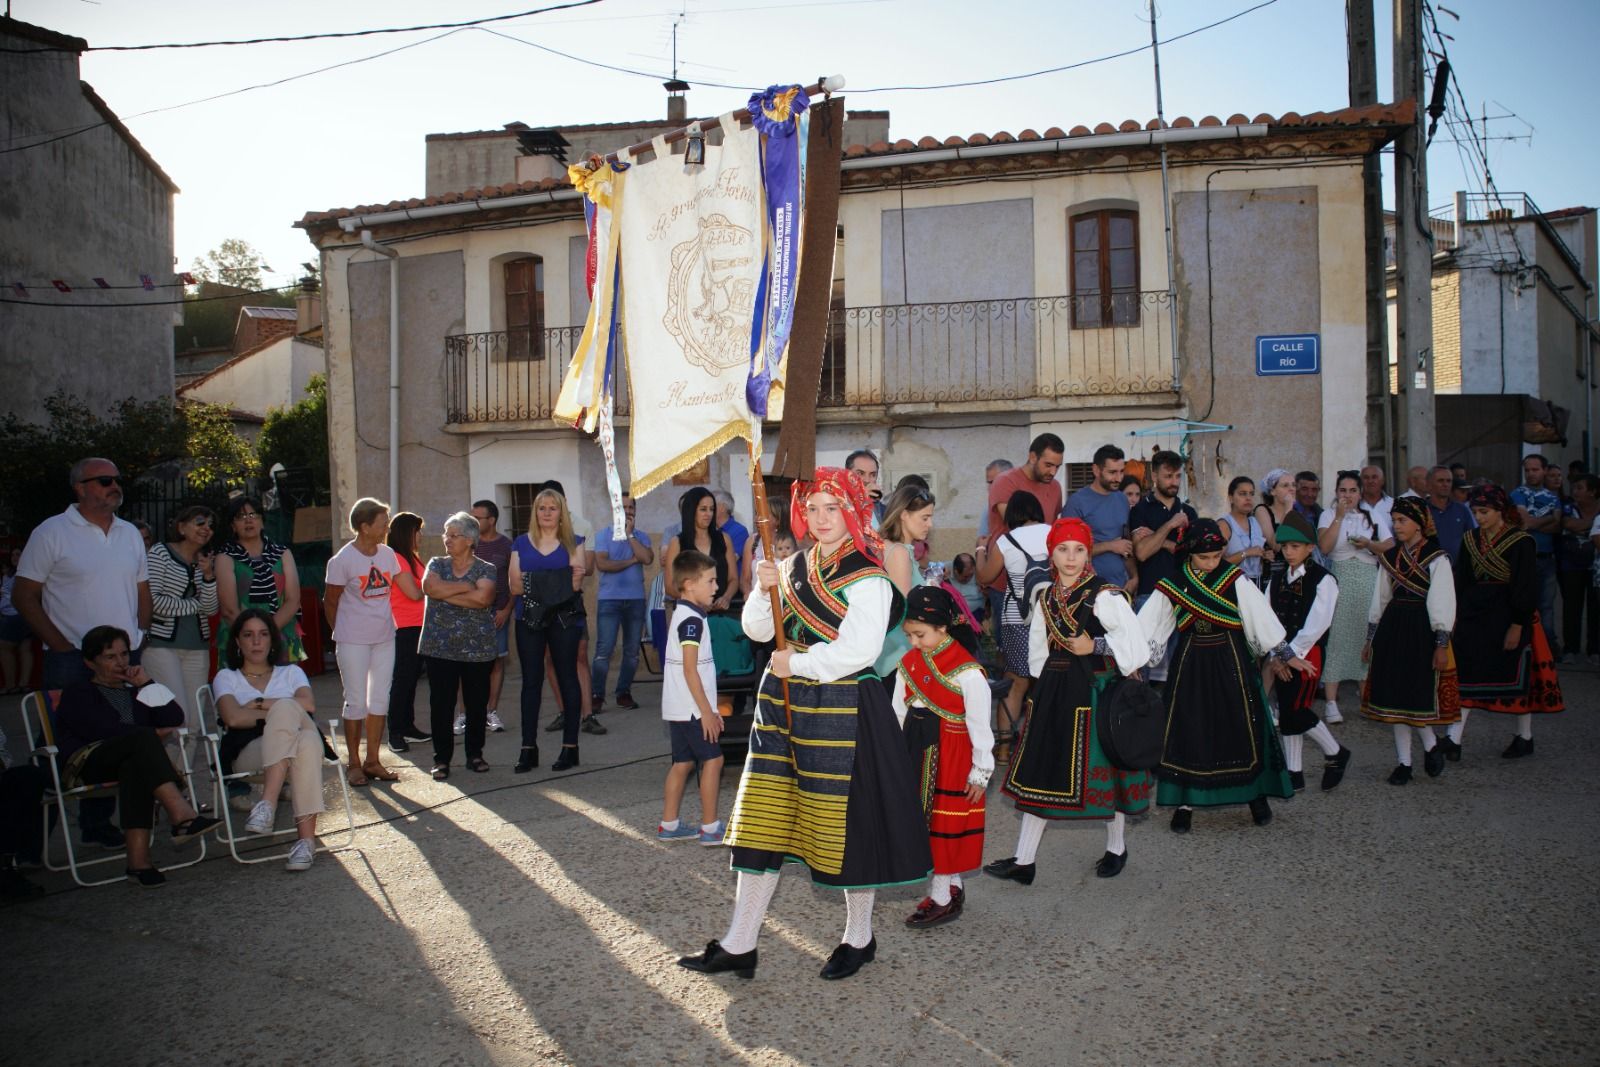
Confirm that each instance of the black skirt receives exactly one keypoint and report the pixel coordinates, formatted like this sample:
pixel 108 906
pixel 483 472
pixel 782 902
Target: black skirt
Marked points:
pixel 1402 686
pixel 1216 716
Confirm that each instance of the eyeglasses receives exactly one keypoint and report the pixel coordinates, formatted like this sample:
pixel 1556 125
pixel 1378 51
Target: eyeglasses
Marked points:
pixel 245 515
pixel 105 481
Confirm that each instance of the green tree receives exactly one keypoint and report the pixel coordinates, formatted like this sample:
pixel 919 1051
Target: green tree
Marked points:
pixel 198 440
pixel 297 435
pixel 234 262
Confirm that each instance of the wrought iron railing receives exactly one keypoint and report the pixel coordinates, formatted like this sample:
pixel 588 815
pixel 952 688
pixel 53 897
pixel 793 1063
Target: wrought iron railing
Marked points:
pixel 510 375
pixel 997 350
pixel 986 350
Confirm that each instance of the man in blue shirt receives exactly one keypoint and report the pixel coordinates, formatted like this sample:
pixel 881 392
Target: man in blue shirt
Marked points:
pixel 1104 506
pixel 1451 518
pixel 730 525
pixel 1541 517
pixel 619 603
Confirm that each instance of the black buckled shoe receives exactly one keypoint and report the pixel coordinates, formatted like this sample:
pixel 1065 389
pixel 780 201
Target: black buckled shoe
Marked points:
pixel 1433 762
pixel 1012 871
pixel 1260 811
pixel 715 959
pixel 1452 751
pixel 1401 775
pixel 847 960
pixel 1333 770
pixel 1297 779
pixel 1181 820
pixel 1520 746
pixel 1111 864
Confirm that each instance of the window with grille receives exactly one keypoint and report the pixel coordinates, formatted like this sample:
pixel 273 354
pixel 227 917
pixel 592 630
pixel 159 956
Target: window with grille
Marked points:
pixel 1105 268
pixel 521 508
pixel 1077 475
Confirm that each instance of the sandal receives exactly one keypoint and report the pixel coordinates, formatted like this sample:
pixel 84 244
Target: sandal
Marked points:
pixel 441 772
pixel 380 772
pixel 357 777
pixel 479 764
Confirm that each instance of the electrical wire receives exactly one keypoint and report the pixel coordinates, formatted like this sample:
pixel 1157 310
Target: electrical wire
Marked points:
pixel 145 303
pixel 466 24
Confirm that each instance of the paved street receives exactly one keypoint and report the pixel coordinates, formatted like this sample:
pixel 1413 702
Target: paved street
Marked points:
pixel 530 920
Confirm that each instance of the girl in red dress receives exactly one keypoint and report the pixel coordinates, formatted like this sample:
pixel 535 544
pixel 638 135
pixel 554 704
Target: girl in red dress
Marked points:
pixel 942 699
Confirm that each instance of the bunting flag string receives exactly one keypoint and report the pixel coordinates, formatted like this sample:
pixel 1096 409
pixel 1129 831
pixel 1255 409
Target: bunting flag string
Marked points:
pixel 146 282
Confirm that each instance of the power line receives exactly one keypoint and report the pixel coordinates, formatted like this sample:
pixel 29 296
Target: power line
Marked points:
pixel 309 36
pixel 890 88
pixel 146 303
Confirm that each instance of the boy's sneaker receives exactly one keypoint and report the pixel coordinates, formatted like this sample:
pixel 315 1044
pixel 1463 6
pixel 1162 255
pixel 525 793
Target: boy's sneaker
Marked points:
pixel 261 818
pixel 683 832
pixel 461 724
pixel 593 725
pixel 494 723
pixel 713 838
pixel 300 856
pixel 626 702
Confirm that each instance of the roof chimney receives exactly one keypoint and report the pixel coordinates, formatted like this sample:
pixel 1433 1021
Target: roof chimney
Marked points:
pixel 308 305
pixel 677 105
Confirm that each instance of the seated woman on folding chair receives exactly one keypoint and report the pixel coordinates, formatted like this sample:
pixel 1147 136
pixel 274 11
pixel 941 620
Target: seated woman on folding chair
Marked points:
pixel 267 708
pixel 110 729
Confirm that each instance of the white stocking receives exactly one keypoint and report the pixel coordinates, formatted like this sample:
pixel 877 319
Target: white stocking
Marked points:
pixel 1402 743
pixel 1028 838
pixel 1293 745
pixel 1114 831
pixel 749 908
pixel 955 881
pixel 1525 727
pixel 1324 739
pixel 1426 734
pixel 939 889
pixel 1458 728
pixel 858 916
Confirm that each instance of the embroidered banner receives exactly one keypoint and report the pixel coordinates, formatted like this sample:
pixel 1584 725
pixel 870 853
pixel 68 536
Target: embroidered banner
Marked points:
pixel 691 249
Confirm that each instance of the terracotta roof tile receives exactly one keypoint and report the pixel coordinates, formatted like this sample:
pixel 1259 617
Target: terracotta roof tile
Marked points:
pixel 1374 115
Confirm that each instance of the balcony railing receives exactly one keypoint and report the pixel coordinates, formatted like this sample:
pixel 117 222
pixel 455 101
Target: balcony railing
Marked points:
pixel 997 350
pixel 979 351
pixel 510 375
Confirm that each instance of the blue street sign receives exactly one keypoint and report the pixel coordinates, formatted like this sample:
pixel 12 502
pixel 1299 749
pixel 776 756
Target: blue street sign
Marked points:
pixel 1293 353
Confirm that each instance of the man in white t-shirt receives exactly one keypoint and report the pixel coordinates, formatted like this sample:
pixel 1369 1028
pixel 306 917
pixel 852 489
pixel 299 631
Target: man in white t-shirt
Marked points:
pixel 1372 495
pixel 81 569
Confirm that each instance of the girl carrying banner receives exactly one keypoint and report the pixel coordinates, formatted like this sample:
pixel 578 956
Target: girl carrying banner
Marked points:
pixel 828 781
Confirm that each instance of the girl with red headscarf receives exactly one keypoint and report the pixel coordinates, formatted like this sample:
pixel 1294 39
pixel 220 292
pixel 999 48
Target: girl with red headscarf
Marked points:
pixel 829 781
pixel 1082 629
pixel 1504 660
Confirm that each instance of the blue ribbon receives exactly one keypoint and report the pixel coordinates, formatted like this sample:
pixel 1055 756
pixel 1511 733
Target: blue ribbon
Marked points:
pixel 783 176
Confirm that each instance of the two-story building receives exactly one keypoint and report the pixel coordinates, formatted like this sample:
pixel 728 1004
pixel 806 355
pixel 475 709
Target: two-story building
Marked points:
pixel 85 204
pixel 986 289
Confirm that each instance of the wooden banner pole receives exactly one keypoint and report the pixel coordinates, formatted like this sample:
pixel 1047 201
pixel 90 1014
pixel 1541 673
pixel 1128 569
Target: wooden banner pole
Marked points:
pixel 763 509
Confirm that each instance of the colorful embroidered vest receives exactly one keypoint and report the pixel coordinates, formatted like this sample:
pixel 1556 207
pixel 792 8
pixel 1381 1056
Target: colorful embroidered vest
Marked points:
pixel 1291 601
pixel 934 679
pixel 1070 612
pixel 1487 560
pixel 1204 602
pixel 813 593
pixel 1409 576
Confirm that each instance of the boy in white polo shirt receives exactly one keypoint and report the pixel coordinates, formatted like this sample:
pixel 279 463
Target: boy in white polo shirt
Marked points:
pixel 689 701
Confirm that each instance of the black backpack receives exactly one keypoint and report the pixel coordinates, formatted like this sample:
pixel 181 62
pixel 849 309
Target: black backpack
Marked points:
pixel 1035 579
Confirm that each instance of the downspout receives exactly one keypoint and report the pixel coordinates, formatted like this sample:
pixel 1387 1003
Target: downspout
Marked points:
pixel 394 364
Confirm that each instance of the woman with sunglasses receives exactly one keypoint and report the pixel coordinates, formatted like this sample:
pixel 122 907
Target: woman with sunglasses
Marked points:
pixel 259 573
pixel 183 597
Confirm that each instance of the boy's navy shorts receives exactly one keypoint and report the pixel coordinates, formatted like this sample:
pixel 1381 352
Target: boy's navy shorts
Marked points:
pixel 689 744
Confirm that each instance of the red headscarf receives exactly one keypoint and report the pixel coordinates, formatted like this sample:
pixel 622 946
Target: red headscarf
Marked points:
pixel 856 507
pixel 1069 530
pixel 1496 499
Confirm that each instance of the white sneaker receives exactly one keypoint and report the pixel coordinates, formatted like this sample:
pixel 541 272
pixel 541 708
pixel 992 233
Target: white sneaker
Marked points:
pixel 1330 714
pixel 301 855
pixel 494 723
pixel 461 725
pixel 261 818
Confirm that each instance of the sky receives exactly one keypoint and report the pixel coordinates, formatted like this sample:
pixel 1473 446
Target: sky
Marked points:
pixel 252 163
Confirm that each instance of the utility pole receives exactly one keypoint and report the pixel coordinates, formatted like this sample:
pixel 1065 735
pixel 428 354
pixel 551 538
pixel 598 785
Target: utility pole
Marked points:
pixel 1362 58
pixel 1166 206
pixel 1413 244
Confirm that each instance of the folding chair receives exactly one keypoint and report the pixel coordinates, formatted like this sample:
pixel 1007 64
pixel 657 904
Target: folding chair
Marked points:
pixel 211 726
pixel 38 720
